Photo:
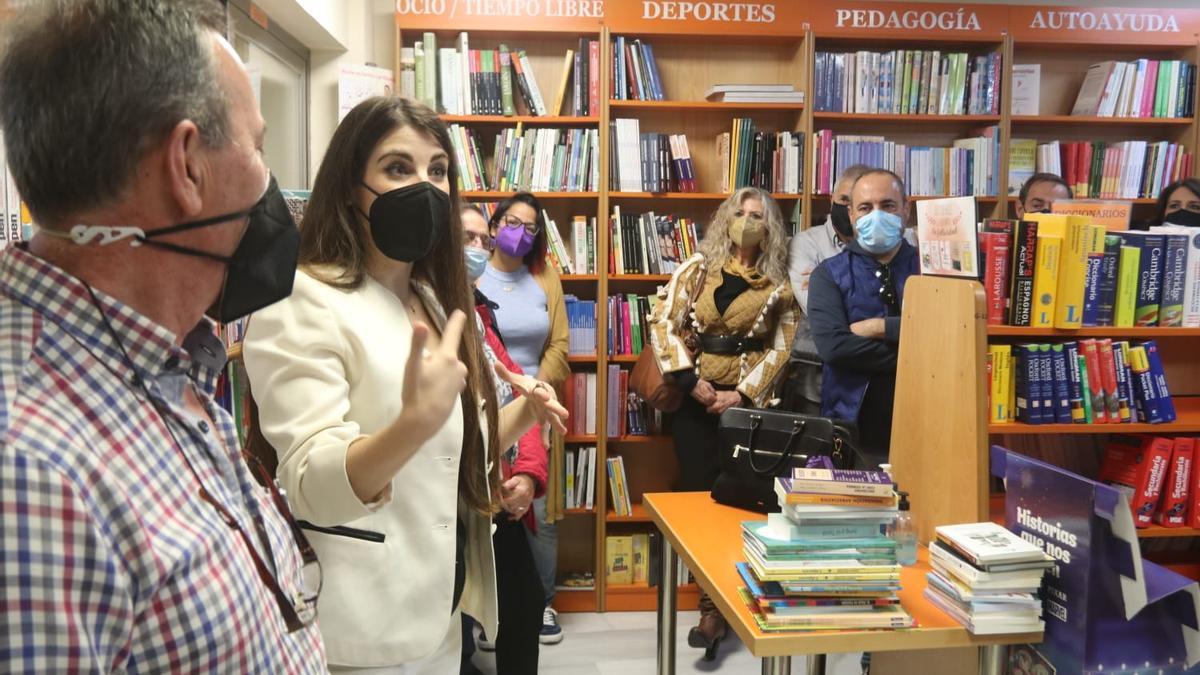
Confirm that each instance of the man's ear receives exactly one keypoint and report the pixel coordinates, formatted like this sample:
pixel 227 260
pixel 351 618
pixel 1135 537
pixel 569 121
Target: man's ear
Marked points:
pixel 184 164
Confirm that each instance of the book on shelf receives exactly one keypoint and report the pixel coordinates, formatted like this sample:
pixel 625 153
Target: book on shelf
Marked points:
pixel 618 553
pixel 1092 381
pixel 635 75
pixel 641 558
pixel 629 415
pixel 771 160
pixel 948 240
pixel 618 486
pixel 580 402
pixel 649 162
pixel 576 256
pixel 908 82
pixel 649 243
pixel 1173 508
pixel 1138 466
pixel 542 160
pixel 1026 88
pixel 1022 163
pixel 628 327
pixel 581 326
pixel 754 93
pixel 1142 88
pixel 1115 169
pixel 579 477
pixel 408 73
pixel 969 167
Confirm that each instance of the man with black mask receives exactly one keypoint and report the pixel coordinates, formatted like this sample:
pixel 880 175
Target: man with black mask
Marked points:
pixel 802 387
pixel 136 538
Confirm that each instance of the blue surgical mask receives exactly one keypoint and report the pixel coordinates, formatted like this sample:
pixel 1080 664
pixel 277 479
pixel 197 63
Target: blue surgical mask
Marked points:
pixel 477 260
pixel 879 231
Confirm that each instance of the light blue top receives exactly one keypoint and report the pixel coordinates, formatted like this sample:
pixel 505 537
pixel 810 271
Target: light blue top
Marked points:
pixel 522 317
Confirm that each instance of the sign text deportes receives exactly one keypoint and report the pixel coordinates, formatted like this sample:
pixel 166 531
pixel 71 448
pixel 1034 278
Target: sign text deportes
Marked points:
pixel 736 12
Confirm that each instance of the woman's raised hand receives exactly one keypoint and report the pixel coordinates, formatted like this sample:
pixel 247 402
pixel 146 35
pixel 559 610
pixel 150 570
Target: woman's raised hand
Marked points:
pixel 433 380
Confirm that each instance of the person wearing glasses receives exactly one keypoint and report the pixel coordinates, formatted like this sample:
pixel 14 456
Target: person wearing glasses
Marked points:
pixel 532 317
pixel 722 329
pixel 854 303
pixel 524 471
pixel 377 397
pixel 135 538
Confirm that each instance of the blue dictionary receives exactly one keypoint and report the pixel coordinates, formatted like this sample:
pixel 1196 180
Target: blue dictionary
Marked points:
pixel 1062 396
pixel 1074 384
pixel 1165 405
pixel 1150 275
pixel 1091 289
pixel 1026 372
pixel 1046 380
pixel 1170 309
pixel 1107 283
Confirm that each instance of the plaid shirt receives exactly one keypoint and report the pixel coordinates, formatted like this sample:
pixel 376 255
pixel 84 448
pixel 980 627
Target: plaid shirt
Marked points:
pixel 111 561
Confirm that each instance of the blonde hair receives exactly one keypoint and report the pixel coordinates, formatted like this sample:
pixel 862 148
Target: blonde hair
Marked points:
pixel 717 247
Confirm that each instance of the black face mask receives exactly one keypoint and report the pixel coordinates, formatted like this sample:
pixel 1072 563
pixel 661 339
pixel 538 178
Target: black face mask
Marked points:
pixel 408 222
pixel 262 268
pixel 839 216
pixel 1183 217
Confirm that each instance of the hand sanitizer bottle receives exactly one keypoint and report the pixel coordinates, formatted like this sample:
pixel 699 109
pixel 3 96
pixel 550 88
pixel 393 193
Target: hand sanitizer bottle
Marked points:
pixel 904 531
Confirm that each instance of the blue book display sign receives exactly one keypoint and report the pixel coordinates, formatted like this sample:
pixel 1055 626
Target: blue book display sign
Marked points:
pixel 1106 610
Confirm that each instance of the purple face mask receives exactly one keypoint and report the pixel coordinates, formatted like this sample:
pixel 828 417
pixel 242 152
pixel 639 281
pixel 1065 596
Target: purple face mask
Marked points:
pixel 515 241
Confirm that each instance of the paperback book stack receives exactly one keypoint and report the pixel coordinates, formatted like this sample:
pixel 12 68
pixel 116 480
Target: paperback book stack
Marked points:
pixel 824 563
pixel 987 578
pixel 754 93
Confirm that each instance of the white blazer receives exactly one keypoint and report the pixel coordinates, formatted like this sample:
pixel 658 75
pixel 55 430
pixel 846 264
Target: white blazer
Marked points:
pixel 326 366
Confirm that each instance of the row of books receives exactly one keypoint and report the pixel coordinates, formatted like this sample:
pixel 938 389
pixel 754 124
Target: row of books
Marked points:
pixel 634 71
pixel 987 578
pixel 1066 272
pixel 824 562
pixel 649 243
pixel 463 81
pixel 627 558
pixel 639 418
pixel 535 159
pixel 1158 476
pixel 1078 382
pixel 970 167
pixel 771 160
pixel 649 162
pixel 1142 88
pixel 17 225
pixel 577 256
pixel 908 82
pixel 618 486
pixel 628 325
pixel 1106 170
pixel 581 326
pixel 579 477
pixel 580 401
pixel 754 93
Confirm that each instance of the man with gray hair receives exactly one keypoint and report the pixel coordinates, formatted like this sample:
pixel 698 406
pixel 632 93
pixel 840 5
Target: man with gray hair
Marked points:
pixel 135 539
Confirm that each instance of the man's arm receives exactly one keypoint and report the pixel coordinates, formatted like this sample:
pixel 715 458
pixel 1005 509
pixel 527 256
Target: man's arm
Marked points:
pixel 836 342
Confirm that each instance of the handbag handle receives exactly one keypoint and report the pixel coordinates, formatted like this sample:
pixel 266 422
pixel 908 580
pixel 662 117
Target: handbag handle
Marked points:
pixel 797 430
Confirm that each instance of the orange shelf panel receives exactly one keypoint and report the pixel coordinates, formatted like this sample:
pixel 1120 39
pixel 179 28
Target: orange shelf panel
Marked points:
pixel 917 198
pixel 996 514
pixel 579 277
pixel 695 196
pixel 700 105
pixel 1187 412
pixel 497 195
pixel 640 515
pixel 523 119
pixel 1114 121
pixel 640 439
pixel 576 601
pixel 581 358
pixel 579 438
pixel 623 358
pixel 576 512
pixel 880 117
pixel 644 598
pixel 1147 332
pixel 659 278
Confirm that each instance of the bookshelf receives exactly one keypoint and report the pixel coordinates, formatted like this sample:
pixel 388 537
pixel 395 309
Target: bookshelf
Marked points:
pixel 694 53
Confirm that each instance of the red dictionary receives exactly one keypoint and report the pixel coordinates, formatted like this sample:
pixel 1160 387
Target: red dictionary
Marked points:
pixel 1138 464
pixel 1108 380
pixel 1173 511
pixel 1091 355
pixel 995 281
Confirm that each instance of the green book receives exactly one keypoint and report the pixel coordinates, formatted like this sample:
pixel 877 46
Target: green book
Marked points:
pixel 1160 88
pixel 906 90
pixel 635 323
pixel 1127 286
pixel 419 61
pixel 431 70
pixel 1081 364
pixel 914 101
pixel 506 83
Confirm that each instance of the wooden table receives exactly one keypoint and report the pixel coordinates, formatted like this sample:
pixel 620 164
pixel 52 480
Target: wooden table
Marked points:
pixel 708 537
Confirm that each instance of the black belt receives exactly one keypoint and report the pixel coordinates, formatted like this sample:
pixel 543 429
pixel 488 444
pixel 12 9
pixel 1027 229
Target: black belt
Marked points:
pixel 729 344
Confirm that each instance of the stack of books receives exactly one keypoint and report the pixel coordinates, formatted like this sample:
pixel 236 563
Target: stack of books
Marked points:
pixel 971 166
pixel 628 327
pixel 577 254
pixel 1142 88
pixel 649 162
pixel 579 477
pixel 824 564
pixel 618 486
pixel 581 326
pixel 987 578
pixel 754 93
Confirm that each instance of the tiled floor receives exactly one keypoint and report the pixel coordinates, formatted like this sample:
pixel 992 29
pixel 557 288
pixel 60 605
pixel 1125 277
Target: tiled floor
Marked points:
pixel 625 643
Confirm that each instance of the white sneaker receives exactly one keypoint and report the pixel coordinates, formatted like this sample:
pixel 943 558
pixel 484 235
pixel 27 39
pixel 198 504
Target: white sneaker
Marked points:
pixel 552 633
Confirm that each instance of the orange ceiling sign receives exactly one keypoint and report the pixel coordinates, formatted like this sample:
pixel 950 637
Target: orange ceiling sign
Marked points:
pixel 781 18
pixel 1101 25
pixel 908 21
pixel 501 15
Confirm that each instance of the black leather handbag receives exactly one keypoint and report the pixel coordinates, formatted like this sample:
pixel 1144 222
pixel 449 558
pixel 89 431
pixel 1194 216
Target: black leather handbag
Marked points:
pixel 757 445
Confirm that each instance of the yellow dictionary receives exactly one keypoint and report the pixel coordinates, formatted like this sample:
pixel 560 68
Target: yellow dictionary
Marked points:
pixel 1067 305
pixel 1001 382
pixel 619 560
pixel 1127 286
pixel 1045 280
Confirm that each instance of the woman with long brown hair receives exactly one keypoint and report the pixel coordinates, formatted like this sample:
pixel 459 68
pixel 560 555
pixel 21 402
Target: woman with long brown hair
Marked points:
pixel 380 405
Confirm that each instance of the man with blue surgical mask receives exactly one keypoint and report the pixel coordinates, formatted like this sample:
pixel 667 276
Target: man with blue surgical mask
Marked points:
pixel 854 303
